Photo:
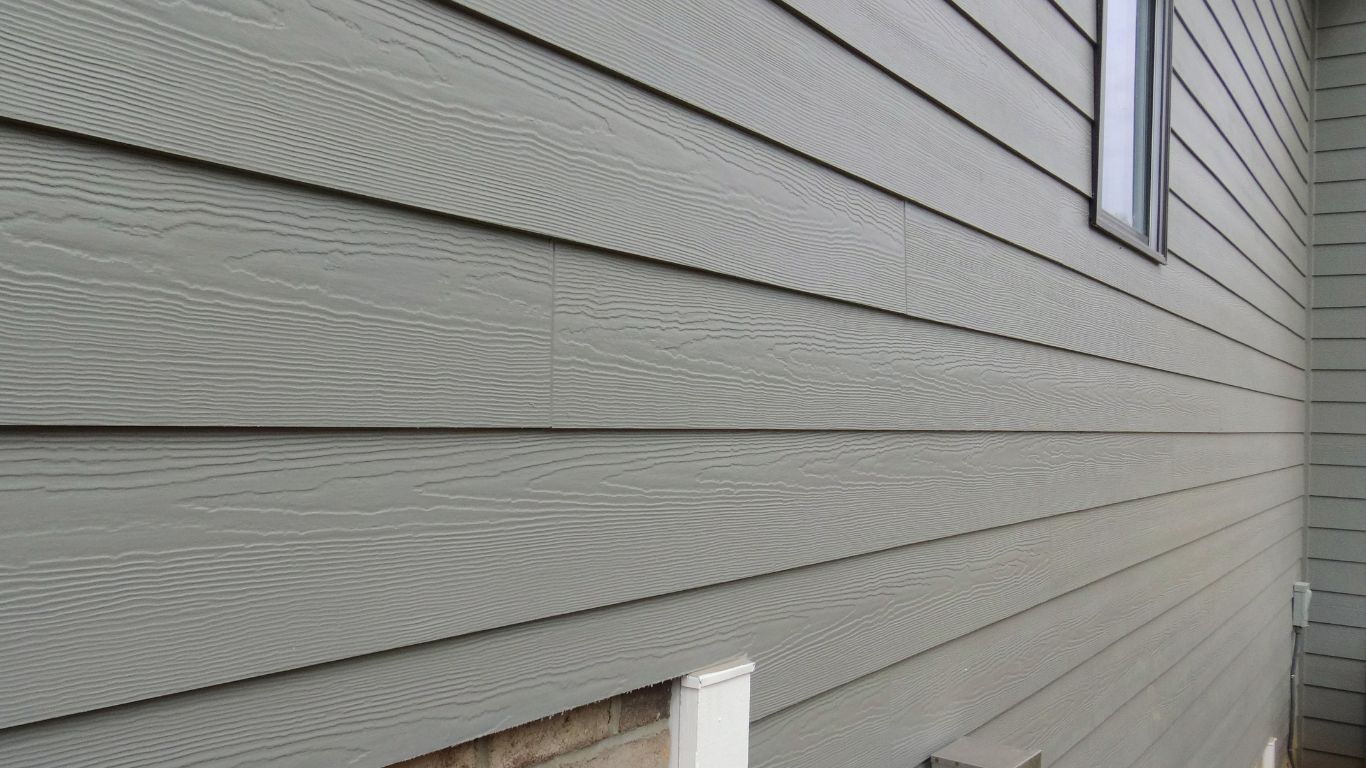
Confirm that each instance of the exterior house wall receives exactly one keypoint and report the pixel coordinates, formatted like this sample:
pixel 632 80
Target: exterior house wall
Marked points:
pixel 381 375
pixel 1335 665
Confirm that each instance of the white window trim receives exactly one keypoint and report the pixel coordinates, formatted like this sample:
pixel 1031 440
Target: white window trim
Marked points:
pixel 1153 245
pixel 709 719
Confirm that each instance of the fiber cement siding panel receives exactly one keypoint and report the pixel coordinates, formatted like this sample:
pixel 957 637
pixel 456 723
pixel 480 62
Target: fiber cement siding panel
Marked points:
pixel 646 345
pixel 415 103
pixel 904 712
pixel 393 522
pixel 736 42
pixel 379 706
pixel 136 291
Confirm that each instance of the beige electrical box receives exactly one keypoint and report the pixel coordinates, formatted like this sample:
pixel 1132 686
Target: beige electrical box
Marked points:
pixel 976 753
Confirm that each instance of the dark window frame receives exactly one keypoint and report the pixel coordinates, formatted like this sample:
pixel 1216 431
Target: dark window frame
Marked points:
pixel 1154 245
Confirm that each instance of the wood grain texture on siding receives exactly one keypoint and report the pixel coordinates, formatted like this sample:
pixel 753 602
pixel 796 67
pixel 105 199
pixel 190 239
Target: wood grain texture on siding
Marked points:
pixel 939 51
pixel 1287 87
pixel 957 276
pixel 1209 69
pixel 1196 73
pixel 639 344
pixel 1246 700
pixel 1338 641
pixel 1348 514
pixel 1193 239
pixel 1081 13
pixel 417 103
pixel 203 577
pixel 1203 191
pixel 902 713
pixel 386 707
pixel 139 291
pixel 1276 217
pixel 1291 46
pixel 1290 122
pixel 1168 715
pixel 753 62
pixel 1227 60
pixel 1177 647
pixel 657 180
pixel 1043 40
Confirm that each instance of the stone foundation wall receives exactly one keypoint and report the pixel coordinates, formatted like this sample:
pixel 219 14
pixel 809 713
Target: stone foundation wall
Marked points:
pixel 626 731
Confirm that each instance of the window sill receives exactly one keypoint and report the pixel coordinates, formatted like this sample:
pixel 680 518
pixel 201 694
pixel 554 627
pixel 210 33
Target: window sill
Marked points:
pixel 1125 234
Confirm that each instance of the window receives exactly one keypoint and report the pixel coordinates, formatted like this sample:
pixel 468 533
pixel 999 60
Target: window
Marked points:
pixel 1130 189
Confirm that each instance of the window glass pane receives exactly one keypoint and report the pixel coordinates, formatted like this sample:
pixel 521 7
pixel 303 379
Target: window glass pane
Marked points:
pixel 1126 119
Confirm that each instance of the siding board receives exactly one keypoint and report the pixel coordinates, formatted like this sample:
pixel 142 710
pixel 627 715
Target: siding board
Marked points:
pixel 1199 188
pixel 1194 240
pixel 956 276
pixel 1340 291
pixel 1218 716
pixel 1334 640
pixel 1208 68
pixel 155 293
pixel 1348 418
pixel 1337 575
pixel 1034 32
pixel 1341 259
pixel 386 707
pixel 1332 13
pixel 1348 101
pixel 1348 514
pixel 416 103
pixel 1335 738
pixel 1339 197
pixel 901 714
pixel 1177 647
pixel 1336 706
pixel 1290 122
pixel 1340 674
pixel 1343 40
pixel 803 227
pixel 393 522
pixel 1338 608
pixel 1286 227
pixel 647 345
pixel 1195 72
pixel 773 67
pixel 1229 62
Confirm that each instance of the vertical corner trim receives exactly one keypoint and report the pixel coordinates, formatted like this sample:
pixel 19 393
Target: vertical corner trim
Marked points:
pixel 710 727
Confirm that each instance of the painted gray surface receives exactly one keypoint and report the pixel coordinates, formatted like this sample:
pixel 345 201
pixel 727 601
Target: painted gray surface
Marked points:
pixel 796 311
pixel 1335 714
